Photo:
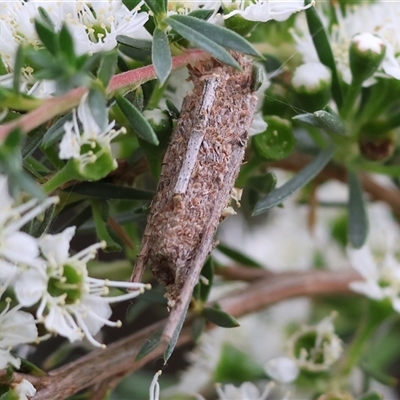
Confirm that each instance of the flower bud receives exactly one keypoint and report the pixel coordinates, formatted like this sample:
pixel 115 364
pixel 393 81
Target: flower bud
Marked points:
pixel 366 54
pixel 376 143
pixel 312 84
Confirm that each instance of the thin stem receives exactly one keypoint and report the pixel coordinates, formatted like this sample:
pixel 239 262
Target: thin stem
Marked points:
pixel 374 315
pixel 58 179
pixel 349 100
pixel 53 107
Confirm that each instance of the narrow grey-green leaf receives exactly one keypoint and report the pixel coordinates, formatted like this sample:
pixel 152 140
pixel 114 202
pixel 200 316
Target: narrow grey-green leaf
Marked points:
pixel 56 131
pixel 358 220
pixel 150 345
pixel 218 34
pixel 330 122
pixel 203 42
pixel 238 256
pixel 301 179
pixel 138 122
pixel 220 318
pixel 98 107
pixel 324 51
pixel 172 343
pixel 104 190
pixel 201 13
pixel 307 118
pixel 135 43
pixel 107 67
pixel 19 63
pixel 161 55
pixel 325 120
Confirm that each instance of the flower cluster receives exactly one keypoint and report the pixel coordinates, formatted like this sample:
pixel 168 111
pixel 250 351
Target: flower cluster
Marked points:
pixel 67 300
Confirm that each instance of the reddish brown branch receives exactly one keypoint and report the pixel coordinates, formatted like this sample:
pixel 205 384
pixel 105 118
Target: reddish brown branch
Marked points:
pixel 118 359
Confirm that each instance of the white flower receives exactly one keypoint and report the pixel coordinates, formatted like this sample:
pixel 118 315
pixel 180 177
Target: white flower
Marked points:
pixel 86 132
pixel 282 369
pixel 103 21
pixel 378 18
pixel 246 391
pixel 24 389
pixel 71 303
pixel 12 218
pixel 184 7
pixel 324 347
pixel 16 327
pixel 265 10
pixel 93 26
pixel 381 280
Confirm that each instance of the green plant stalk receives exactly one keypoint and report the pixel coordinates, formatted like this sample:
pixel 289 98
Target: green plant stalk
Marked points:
pixel 58 179
pixel 372 320
pixel 349 100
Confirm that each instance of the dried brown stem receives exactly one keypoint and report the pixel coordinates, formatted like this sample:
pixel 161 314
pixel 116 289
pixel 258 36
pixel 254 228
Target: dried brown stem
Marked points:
pixel 118 359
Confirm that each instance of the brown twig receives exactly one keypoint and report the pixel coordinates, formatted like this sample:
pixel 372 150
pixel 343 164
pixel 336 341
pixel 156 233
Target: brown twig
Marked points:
pixel 118 359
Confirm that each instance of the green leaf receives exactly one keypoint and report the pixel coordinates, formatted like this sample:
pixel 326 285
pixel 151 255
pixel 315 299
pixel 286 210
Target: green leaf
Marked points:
pixel 104 190
pixel 131 4
pixel 325 120
pixel 173 111
pixel 324 51
pixel 56 131
pixel 371 396
pixel 358 219
pixel 10 395
pixel 150 345
pixel 277 142
pixel 301 179
pixel 140 125
pixel 46 17
pixel 171 345
pixel 19 63
pixel 208 273
pixel 198 327
pixel 237 256
pixel 135 43
pixel 157 6
pixel 11 165
pixel 29 368
pixel 161 55
pixel 98 108
pixel 107 67
pixel 220 318
pixel 203 42
pixel 201 14
pixel 218 34
pixel 263 183
pixel 330 122
pixel 66 45
pixel 100 211
pixel 48 37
